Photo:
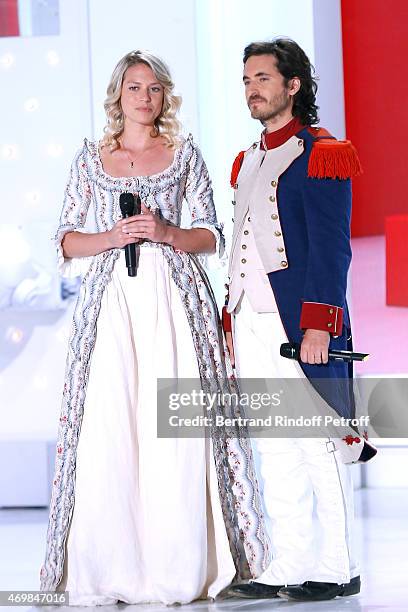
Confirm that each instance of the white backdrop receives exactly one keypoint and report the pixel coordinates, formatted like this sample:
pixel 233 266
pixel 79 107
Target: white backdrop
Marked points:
pixel 53 90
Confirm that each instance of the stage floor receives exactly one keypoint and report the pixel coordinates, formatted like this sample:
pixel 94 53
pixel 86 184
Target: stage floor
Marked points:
pixel 382 535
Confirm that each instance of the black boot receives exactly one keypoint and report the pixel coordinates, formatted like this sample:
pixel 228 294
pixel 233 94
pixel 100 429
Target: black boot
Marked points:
pixel 320 591
pixel 255 590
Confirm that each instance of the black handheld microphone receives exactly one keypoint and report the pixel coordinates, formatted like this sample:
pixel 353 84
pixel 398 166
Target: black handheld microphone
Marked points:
pixel 291 350
pixel 129 206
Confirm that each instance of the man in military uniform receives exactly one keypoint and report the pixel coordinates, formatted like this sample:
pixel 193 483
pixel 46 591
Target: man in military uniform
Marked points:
pixel 287 282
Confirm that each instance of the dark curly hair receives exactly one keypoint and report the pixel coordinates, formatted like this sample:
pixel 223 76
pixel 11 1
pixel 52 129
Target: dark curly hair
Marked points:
pixel 292 61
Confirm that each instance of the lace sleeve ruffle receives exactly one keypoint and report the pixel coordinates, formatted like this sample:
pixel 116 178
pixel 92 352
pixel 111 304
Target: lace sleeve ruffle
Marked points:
pixel 199 197
pixel 69 267
pixel 215 260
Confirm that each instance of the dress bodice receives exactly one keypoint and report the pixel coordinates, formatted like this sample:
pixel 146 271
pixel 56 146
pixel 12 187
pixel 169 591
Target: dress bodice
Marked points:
pixel 91 191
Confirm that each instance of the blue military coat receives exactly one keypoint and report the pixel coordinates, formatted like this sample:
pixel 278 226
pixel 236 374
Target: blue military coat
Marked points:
pixel 315 215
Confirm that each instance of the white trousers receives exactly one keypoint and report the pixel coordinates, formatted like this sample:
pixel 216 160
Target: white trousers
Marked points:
pixel 296 473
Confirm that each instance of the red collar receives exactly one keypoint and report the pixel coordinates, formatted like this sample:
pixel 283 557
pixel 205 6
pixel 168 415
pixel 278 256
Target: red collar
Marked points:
pixel 278 138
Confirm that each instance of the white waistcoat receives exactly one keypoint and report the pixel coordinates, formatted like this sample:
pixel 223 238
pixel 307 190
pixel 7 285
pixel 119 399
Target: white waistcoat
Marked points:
pixel 251 277
pixel 256 197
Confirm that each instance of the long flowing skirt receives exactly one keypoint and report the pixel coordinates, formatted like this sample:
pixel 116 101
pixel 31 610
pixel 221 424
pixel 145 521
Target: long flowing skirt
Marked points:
pixel 147 524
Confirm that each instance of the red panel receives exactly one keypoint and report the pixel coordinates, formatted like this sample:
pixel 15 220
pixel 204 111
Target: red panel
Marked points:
pixel 397 260
pixel 9 18
pixel 375 48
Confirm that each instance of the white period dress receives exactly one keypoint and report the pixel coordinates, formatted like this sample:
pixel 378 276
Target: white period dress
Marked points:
pixel 134 517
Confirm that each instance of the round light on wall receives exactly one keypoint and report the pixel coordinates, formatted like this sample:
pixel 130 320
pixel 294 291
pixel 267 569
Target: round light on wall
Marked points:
pixel 62 334
pixel 54 150
pixel 33 197
pixel 53 58
pixel 31 105
pixel 9 151
pixel 7 60
pixel 12 242
pixel 40 382
pixel 14 335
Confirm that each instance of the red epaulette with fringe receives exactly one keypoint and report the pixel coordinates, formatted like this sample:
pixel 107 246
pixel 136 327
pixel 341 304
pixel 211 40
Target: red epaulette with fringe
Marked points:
pixel 331 158
pixel 236 167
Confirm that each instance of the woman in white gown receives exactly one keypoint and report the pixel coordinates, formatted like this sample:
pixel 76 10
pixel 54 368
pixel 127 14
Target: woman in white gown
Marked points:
pixel 134 517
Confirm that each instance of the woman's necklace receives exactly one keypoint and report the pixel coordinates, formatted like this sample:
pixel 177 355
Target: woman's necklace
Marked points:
pixel 132 161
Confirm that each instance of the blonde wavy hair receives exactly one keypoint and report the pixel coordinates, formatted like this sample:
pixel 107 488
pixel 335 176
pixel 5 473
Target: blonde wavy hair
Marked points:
pixel 165 125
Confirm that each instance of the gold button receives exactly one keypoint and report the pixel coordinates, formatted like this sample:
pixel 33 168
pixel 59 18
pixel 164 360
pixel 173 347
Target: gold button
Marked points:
pixel 300 143
pixel 273 183
pixel 274 217
pixel 272 198
pixel 284 264
pixel 331 310
pixel 278 233
pixel 246 233
pixel 330 325
pixel 244 246
pixel 243 260
pixel 242 274
pixel 280 249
